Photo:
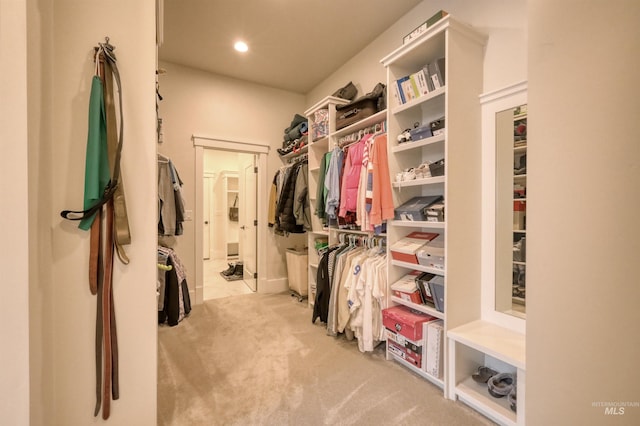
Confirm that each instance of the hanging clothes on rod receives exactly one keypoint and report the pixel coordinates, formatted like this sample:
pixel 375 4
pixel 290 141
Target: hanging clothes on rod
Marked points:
pixel 350 292
pixel 289 199
pixel 170 201
pixel 174 303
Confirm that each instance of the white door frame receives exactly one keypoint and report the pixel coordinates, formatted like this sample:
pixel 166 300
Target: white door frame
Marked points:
pixel 261 151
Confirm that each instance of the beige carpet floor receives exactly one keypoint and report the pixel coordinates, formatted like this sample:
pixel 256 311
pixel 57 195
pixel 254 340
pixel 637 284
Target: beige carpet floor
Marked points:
pixel 258 360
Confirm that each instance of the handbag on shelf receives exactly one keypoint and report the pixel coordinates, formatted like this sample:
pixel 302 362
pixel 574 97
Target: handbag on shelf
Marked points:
pixel 233 211
pixel 361 108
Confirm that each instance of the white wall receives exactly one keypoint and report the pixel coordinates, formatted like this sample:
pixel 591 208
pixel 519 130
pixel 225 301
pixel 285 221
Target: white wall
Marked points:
pixel 504 21
pixel 204 104
pixel 14 303
pixel 77 27
pixel 583 237
pixel 40 169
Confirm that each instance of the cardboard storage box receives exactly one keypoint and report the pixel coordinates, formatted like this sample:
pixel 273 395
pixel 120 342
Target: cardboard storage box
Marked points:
pixel 423 284
pixel 405 321
pixel 400 351
pixel 432 255
pixel 415 347
pixel 415 208
pixel 435 212
pixel 436 284
pixel 405 249
pixel 407 289
pixel 419 133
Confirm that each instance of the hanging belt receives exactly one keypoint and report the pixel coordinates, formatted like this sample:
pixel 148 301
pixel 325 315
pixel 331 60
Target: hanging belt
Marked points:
pixel 110 209
pixel 114 143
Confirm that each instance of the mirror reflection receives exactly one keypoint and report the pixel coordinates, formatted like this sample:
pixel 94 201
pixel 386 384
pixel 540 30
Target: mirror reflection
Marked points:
pixel 511 210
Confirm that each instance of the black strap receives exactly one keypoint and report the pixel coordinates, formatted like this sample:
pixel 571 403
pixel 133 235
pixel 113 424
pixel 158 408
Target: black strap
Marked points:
pixel 81 214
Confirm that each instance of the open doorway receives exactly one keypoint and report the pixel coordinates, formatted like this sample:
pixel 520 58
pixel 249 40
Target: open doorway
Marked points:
pixel 228 211
pixel 229 194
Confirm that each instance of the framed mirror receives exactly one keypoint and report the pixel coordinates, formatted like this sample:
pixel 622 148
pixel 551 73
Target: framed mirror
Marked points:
pixel 504 124
pixel 511 210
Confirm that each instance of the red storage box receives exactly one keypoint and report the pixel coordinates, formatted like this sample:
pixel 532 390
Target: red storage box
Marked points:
pixel 407 289
pixel 405 248
pixel 405 321
pixel 404 353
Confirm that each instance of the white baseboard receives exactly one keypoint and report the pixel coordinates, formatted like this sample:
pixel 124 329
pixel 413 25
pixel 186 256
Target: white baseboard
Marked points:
pixel 277 285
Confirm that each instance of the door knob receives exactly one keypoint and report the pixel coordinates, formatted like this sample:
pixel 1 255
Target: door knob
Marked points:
pixel 243 227
pixel 206 222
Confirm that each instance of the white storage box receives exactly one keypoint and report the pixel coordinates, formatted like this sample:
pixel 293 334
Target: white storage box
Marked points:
pixel 406 248
pixel 432 254
pixel 297 271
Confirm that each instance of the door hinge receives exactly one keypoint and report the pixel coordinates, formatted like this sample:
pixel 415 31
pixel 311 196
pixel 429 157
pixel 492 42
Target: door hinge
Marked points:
pixel 255 223
pixel 255 275
pixel 255 170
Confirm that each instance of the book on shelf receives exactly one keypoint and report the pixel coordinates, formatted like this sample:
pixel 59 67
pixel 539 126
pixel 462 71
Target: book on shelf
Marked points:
pixel 421 82
pixel 437 72
pixel 407 89
pixel 400 89
pixel 414 86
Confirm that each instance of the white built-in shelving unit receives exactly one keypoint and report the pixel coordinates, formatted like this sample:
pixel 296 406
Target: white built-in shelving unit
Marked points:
pixel 459 145
pixel 472 337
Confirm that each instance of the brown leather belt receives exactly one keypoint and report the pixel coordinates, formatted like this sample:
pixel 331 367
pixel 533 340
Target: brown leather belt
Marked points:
pixel 109 233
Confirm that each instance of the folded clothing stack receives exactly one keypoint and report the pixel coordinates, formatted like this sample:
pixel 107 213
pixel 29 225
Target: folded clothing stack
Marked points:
pixel 298 128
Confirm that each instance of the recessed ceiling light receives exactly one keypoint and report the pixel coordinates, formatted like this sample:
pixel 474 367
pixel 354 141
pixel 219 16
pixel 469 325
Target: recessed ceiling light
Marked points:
pixel 241 46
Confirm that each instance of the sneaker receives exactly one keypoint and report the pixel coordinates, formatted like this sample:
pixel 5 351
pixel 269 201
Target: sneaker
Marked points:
pixel 229 271
pixel 501 384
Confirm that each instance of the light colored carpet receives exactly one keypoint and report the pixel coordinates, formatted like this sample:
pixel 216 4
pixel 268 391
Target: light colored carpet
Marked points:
pixel 258 360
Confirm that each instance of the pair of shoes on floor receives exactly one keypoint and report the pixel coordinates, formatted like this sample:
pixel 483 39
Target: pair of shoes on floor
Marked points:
pixel 234 269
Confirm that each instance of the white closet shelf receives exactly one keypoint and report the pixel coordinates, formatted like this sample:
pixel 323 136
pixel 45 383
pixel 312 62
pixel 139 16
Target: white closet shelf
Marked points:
pixel 499 342
pixel 417 224
pixel 364 123
pixel 417 101
pixel 476 395
pixel 405 146
pixel 422 373
pixel 418 267
pixel 421 308
pixel 420 182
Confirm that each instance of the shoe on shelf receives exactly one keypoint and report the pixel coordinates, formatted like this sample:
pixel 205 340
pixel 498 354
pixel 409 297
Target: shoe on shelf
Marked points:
pixel 423 171
pixel 483 374
pixel 409 174
pixel 513 400
pixel 501 384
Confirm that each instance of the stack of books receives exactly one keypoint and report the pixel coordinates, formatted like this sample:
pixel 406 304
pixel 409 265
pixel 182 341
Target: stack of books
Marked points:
pixel 426 80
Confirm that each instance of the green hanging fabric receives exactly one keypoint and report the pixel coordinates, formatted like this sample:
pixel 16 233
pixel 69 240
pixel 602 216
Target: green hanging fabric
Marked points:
pixel 96 174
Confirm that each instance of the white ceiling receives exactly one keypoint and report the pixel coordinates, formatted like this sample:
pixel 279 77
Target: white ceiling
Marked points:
pixel 293 44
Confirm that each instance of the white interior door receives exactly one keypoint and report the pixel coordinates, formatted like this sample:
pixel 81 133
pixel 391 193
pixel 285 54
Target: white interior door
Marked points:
pixel 207 191
pixel 248 219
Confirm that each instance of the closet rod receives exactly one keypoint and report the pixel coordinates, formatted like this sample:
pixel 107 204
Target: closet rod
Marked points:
pixel 355 137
